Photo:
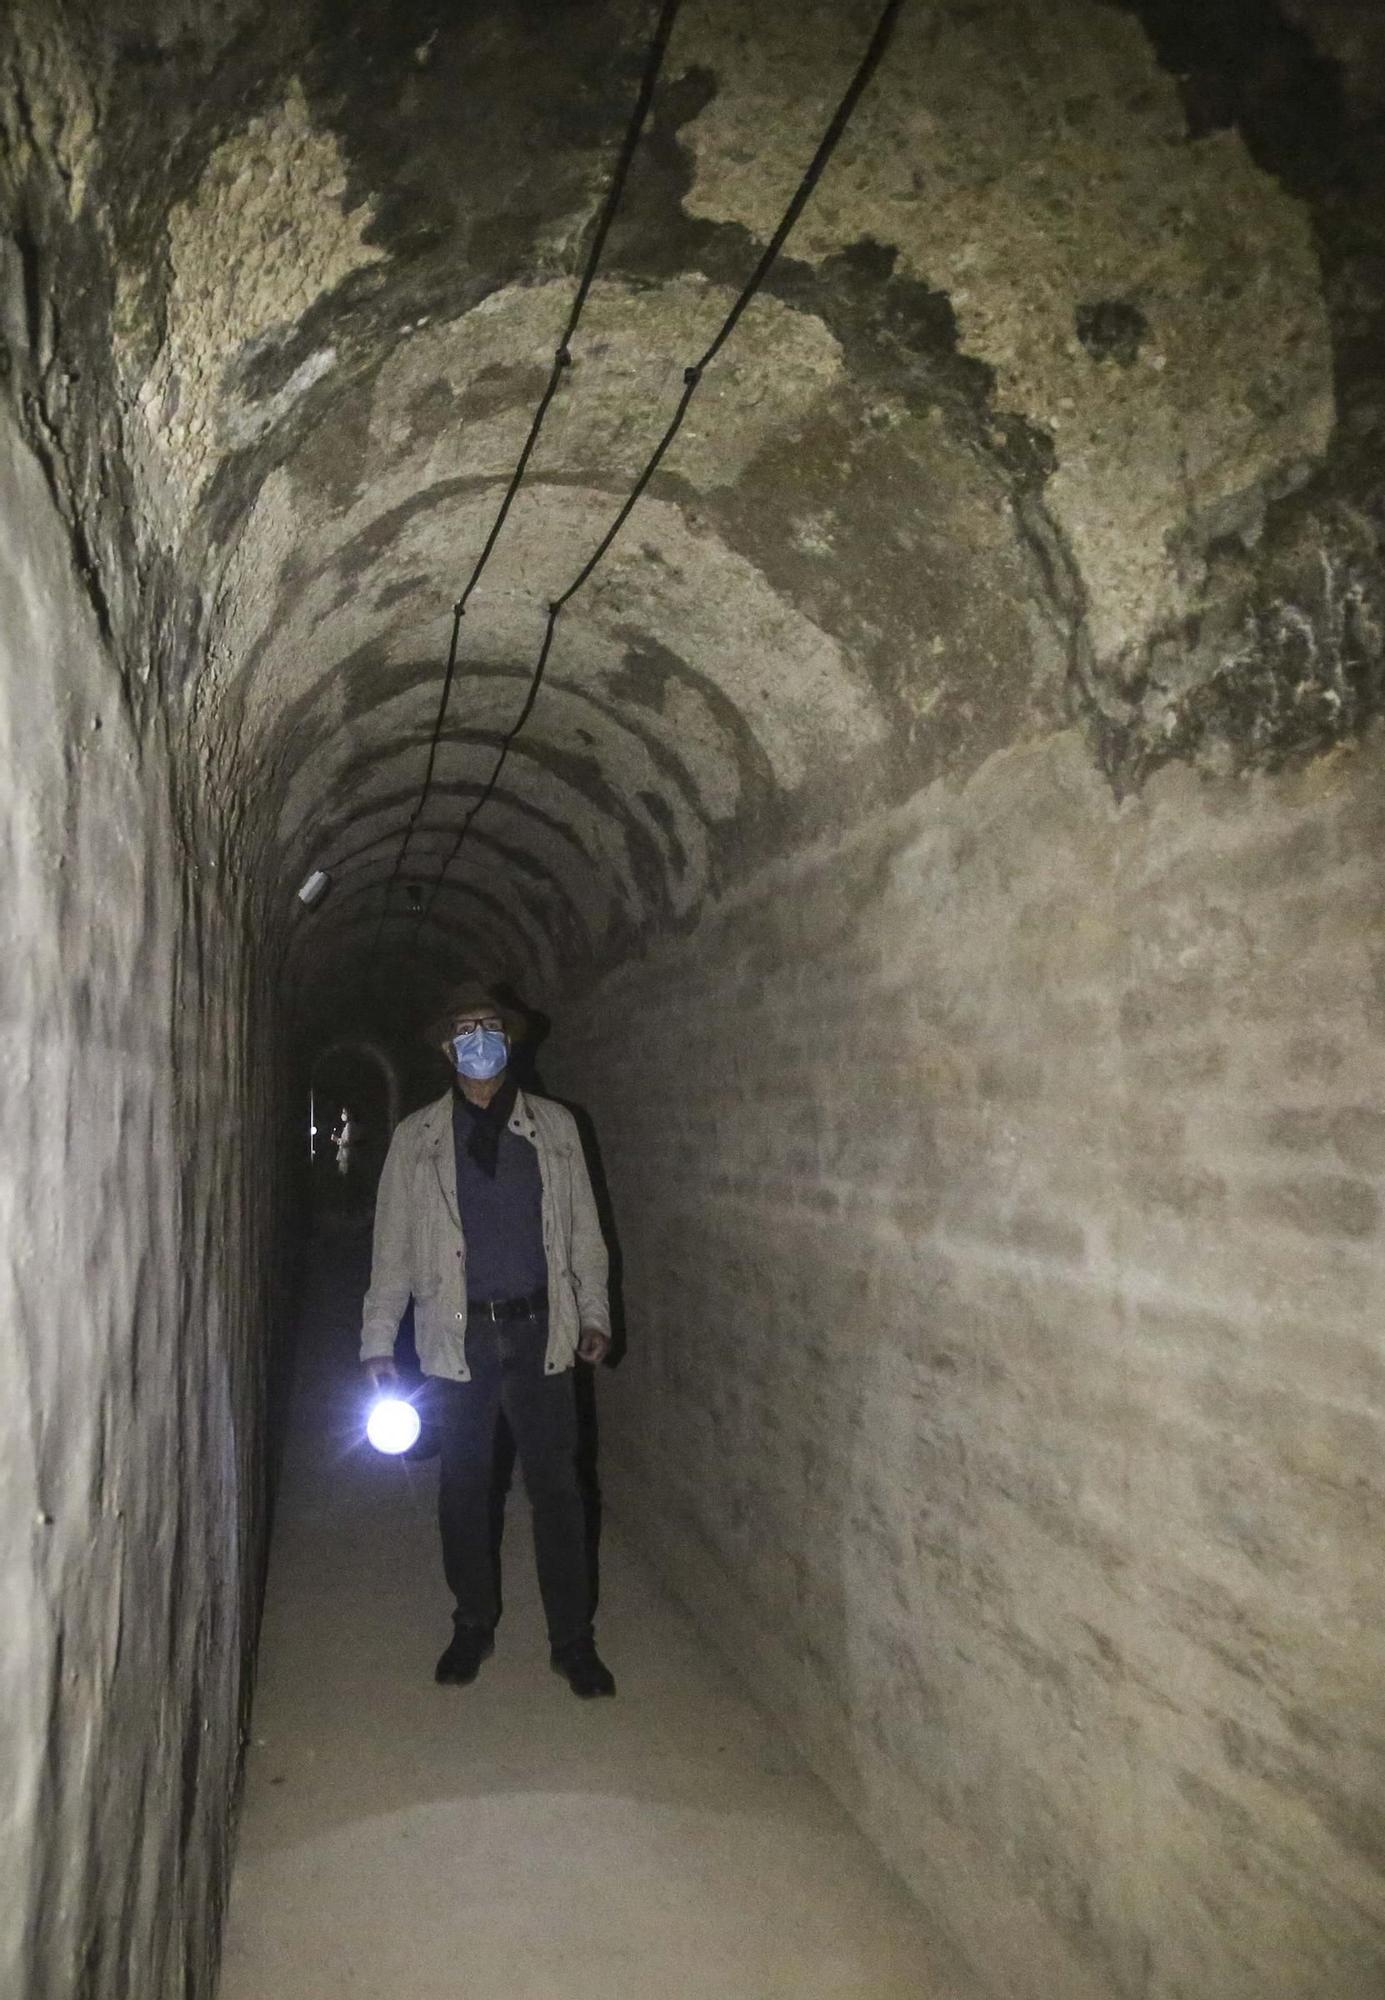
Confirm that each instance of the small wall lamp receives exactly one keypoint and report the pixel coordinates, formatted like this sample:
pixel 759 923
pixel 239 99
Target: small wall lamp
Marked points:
pixel 315 888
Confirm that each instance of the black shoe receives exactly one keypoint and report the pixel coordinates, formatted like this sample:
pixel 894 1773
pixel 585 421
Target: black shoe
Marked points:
pixel 461 1663
pixel 582 1667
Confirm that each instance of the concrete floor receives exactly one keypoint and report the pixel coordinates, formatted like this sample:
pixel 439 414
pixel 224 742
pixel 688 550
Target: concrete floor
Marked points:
pixel 506 1841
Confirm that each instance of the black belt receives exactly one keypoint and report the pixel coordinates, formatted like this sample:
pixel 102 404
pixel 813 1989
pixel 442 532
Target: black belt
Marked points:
pixel 525 1308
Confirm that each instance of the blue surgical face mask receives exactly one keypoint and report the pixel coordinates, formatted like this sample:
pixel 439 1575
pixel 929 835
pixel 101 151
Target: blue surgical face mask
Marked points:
pixel 481 1053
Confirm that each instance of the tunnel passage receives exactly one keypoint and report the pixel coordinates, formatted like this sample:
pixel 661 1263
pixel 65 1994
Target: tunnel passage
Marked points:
pixel 946 845
pixel 354 1103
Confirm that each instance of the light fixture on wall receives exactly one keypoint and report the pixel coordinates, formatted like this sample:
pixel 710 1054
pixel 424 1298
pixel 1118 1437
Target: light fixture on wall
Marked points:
pixel 315 888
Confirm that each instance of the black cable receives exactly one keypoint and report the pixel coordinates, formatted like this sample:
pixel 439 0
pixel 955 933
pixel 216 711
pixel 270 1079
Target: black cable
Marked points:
pixel 692 379
pixel 562 361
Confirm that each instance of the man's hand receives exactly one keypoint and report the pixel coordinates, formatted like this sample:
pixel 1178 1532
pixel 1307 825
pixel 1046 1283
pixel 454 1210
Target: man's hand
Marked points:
pixel 381 1370
pixel 592 1344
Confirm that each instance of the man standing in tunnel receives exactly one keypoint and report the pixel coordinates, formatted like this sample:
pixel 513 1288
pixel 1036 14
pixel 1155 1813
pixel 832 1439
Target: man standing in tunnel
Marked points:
pixel 485 1215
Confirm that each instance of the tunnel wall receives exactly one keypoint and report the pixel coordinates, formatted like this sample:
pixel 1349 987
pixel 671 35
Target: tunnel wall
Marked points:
pixel 135 1284
pixel 999 1192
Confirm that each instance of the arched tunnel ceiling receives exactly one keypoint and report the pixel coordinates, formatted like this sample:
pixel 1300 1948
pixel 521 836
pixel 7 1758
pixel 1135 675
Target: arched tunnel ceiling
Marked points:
pixel 1036 358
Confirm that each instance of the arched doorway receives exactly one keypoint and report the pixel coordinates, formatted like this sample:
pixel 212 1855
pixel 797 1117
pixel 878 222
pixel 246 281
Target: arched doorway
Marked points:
pixel 353 1107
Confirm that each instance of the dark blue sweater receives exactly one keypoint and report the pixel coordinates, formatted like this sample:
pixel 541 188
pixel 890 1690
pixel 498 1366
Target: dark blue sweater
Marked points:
pixel 502 1219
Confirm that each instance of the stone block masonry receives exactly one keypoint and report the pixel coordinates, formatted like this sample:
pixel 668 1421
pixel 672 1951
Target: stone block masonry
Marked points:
pixel 134 1303
pixel 1000 1199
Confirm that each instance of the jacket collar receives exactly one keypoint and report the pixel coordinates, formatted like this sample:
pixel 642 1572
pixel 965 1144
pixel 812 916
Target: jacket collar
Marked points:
pixel 438 1121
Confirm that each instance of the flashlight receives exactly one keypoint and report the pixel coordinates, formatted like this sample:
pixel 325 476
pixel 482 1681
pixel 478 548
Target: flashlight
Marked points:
pixel 392 1425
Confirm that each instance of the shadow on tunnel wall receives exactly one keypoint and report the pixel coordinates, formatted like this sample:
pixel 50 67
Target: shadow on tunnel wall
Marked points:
pixel 527 1068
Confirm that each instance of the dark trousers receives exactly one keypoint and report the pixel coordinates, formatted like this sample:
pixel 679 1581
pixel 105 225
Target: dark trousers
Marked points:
pixel 507 1374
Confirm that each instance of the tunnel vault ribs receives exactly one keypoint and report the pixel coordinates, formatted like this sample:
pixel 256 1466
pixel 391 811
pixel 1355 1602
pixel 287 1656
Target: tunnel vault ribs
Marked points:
pixel 1077 572
pixel 562 360
pixel 723 736
pixel 946 417
pixel 692 381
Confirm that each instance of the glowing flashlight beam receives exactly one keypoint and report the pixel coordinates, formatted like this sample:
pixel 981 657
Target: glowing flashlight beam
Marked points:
pixel 392 1425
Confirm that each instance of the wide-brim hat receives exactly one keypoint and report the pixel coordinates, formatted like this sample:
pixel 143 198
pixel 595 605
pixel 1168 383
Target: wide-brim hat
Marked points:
pixel 473 996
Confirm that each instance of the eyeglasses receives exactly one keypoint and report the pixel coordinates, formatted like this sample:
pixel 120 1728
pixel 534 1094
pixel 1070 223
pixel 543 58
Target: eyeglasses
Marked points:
pixel 468 1026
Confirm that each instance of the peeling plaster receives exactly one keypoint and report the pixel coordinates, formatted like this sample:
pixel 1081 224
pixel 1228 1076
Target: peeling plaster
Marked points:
pixel 247 422
pixel 1029 162
pixel 264 238
pixel 54 114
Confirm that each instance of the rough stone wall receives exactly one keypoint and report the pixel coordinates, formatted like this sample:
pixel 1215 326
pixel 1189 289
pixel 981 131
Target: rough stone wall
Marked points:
pixel 129 1292
pixel 1000 1194
pixel 138 1095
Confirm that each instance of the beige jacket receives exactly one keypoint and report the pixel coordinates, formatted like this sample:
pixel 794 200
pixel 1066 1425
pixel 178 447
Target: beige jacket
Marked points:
pixel 419 1246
